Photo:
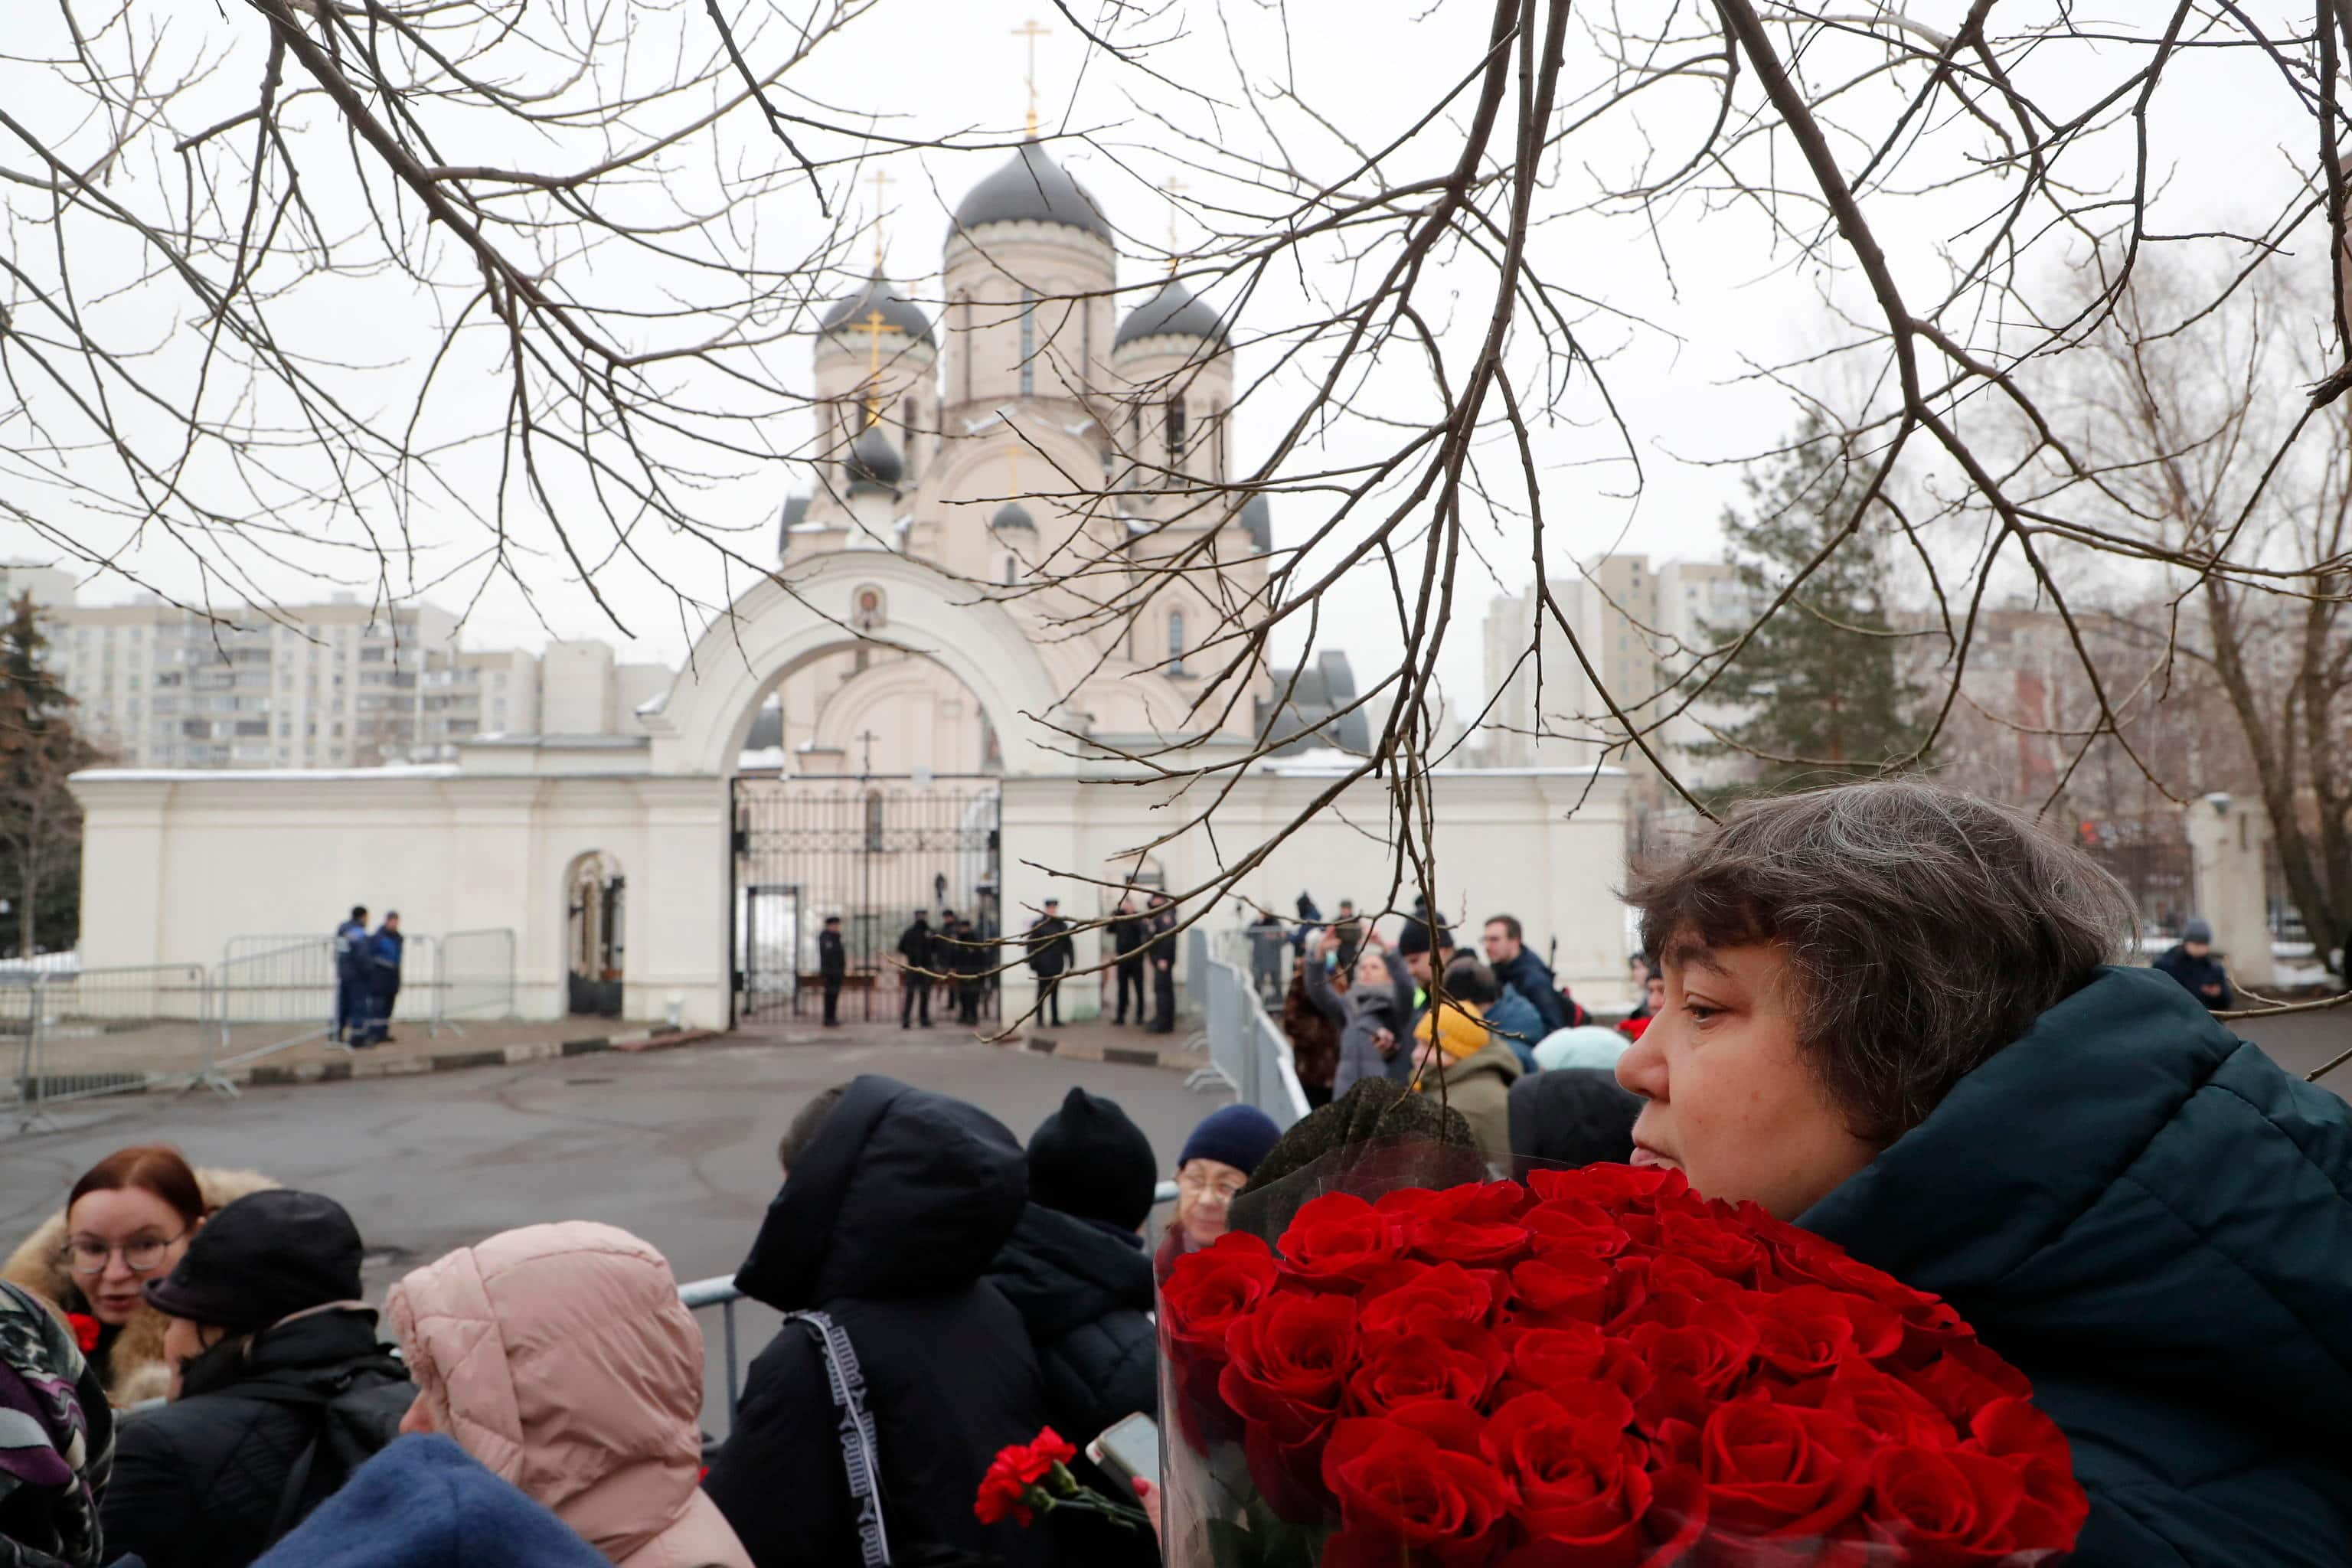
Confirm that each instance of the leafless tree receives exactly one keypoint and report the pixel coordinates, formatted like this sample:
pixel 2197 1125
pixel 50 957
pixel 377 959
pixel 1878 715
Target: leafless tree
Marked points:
pixel 1407 294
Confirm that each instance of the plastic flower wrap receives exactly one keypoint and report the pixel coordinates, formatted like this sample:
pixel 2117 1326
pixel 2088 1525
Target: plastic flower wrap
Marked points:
pixel 1596 1369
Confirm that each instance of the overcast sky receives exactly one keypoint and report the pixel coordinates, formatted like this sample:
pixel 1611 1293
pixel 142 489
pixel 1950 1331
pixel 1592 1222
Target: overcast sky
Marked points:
pixel 1714 284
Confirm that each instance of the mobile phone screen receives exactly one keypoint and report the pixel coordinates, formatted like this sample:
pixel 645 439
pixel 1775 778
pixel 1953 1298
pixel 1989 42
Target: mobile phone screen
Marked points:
pixel 1129 1449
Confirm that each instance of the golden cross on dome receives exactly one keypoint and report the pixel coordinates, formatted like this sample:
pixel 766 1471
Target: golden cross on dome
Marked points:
pixel 1032 32
pixel 873 326
pixel 881 192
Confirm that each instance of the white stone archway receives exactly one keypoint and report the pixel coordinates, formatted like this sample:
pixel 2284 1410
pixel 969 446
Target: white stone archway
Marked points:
pixel 699 726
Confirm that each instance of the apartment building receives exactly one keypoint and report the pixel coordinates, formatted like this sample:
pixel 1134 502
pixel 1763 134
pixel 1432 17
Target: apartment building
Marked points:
pixel 335 685
pixel 1642 628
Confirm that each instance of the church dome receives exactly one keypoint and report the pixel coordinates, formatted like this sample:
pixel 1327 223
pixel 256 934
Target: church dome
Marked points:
pixel 1174 311
pixel 1257 522
pixel 1031 188
pixel 1012 515
pixel 873 460
pixel 900 314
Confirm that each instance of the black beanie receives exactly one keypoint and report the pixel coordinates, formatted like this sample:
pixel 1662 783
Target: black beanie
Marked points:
pixel 1089 1160
pixel 268 1255
pixel 1414 938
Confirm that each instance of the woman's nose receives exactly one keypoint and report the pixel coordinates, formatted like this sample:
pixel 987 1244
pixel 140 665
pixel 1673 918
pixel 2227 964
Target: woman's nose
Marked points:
pixel 118 1269
pixel 1643 1069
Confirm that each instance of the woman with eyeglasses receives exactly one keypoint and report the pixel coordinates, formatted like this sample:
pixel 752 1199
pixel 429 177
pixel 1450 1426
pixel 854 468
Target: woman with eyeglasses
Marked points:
pixel 127 1221
pixel 1210 1173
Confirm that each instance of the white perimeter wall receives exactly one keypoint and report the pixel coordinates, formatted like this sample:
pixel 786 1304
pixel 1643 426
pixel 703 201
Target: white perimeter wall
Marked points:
pixel 174 864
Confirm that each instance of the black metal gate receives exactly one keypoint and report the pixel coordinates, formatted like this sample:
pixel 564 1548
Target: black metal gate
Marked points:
pixel 875 852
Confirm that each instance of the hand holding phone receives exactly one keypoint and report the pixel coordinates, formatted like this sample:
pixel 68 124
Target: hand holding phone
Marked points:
pixel 1128 1451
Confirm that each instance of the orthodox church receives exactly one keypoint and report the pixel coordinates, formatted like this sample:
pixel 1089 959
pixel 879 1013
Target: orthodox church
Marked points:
pixel 1047 426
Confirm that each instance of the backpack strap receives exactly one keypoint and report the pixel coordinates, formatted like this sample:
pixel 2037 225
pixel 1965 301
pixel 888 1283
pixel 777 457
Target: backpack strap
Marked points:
pixel 861 1458
pixel 318 1396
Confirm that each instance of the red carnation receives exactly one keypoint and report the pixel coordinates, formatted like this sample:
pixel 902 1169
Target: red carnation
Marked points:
pixel 86 1330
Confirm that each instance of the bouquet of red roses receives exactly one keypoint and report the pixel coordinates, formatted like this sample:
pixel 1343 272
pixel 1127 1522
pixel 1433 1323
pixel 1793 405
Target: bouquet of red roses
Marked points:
pixel 1598 1369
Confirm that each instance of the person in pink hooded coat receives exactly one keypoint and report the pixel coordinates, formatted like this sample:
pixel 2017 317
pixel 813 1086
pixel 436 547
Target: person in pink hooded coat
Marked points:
pixel 560 1357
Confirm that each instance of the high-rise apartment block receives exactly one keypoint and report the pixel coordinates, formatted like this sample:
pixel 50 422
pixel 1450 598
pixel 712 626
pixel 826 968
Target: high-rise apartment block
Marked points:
pixel 334 684
pixel 1644 632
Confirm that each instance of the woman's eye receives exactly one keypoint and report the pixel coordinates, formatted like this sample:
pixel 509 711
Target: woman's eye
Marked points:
pixel 1700 1011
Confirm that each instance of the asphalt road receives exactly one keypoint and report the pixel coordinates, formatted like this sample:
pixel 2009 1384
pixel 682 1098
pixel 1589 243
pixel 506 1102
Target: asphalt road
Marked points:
pixel 678 1146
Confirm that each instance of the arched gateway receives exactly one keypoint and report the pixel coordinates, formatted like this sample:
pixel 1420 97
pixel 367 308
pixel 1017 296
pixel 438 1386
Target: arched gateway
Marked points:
pixel 826 832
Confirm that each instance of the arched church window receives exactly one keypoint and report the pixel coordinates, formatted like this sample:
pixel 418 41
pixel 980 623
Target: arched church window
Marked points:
pixel 1085 346
pixel 1028 341
pixel 909 418
pixel 1217 434
pixel 1009 565
pixel 1175 642
pixel 1175 417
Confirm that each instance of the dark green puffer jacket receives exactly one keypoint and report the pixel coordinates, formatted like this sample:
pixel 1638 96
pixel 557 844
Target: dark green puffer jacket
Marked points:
pixel 2154 1223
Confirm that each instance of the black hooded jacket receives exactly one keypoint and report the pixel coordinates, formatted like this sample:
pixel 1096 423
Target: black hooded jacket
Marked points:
pixel 888 1222
pixel 207 1481
pixel 1086 1295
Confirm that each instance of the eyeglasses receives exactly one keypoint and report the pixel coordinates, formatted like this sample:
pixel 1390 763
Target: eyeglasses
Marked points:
pixel 1201 1186
pixel 88 1255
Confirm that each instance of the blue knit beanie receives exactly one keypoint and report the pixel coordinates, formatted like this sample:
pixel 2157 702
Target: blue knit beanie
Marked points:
pixel 1238 1135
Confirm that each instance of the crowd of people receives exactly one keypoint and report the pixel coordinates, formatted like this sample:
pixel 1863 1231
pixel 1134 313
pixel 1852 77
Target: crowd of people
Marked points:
pixel 213 1391
pixel 1888 1015
pixel 367 979
pixel 1477 1031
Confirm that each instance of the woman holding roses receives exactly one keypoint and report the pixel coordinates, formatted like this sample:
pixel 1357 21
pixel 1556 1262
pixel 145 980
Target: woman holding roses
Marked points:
pixel 1892 1018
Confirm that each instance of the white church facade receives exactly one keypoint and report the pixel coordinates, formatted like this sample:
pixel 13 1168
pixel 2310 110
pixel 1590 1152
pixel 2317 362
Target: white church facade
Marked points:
pixel 916 709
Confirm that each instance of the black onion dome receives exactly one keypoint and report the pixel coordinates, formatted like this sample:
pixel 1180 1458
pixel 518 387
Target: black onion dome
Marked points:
pixel 1031 188
pixel 1011 515
pixel 901 314
pixel 874 459
pixel 1174 311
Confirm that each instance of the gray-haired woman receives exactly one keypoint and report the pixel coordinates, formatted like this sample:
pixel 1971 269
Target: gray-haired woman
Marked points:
pixel 1891 1017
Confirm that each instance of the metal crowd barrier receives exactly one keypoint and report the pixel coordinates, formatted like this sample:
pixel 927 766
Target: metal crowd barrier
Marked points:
pixel 720 1292
pixel 68 1033
pixel 83 1033
pixel 1248 1053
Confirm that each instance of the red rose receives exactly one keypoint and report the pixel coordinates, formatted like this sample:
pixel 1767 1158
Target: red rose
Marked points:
pixel 1477 1226
pixel 1708 1342
pixel 1448 1300
pixel 1286 1362
pixel 2021 1437
pixel 1965 1379
pixel 1410 1496
pixel 1339 1241
pixel 1811 1331
pixel 1955 1508
pixel 1886 1407
pixel 1722 1250
pixel 1572 1354
pixel 1578 1473
pixel 1781 1471
pixel 1572 1225
pixel 86 1330
pixel 1615 1185
pixel 1564 1286
pixel 1406 1369
pixel 1208 1291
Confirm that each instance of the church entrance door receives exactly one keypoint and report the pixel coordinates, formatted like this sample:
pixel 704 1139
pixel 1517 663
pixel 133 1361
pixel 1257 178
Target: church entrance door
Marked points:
pixel 875 851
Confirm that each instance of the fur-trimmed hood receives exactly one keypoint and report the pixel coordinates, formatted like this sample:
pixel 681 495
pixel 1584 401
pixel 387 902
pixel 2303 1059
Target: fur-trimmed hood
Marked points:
pixel 136 1369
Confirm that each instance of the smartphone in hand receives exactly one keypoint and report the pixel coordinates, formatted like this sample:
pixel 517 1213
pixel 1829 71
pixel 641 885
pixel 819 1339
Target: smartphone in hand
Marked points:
pixel 1128 1450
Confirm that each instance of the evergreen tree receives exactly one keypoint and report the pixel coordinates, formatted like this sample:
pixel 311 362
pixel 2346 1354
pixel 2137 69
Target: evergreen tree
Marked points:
pixel 40 823
pixel 1820 697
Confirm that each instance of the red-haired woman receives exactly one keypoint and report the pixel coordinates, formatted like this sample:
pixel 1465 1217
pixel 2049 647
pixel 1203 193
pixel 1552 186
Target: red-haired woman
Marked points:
pixel 127 1221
